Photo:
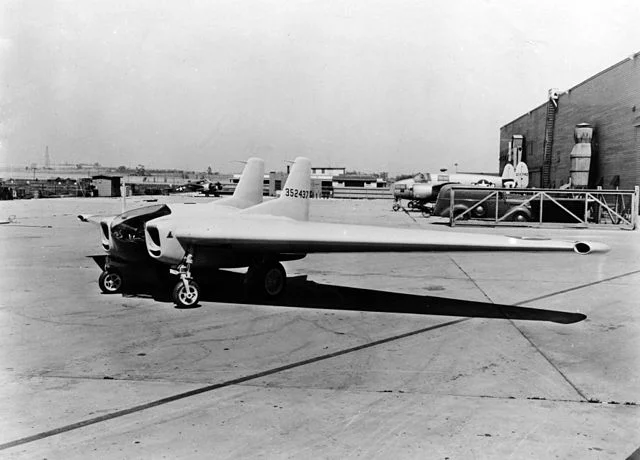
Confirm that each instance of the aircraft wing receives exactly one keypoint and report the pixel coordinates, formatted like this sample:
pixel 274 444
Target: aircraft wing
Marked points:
pixel 283 235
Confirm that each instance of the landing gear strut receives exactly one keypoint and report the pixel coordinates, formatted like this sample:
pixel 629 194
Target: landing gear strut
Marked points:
pixel 266 279
pixel 186 292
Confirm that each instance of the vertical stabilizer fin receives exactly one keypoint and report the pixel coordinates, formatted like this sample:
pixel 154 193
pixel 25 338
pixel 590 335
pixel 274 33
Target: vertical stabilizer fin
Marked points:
pixel 250 186
pixel 248 192
pixel 294 199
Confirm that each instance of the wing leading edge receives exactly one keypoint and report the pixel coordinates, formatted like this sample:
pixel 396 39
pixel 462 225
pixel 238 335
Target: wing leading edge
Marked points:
pixel 277 235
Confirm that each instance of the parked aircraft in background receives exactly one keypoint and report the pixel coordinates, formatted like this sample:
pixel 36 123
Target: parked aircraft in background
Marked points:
pixel 424 187
pixel 260 237
pixel 123 236
pixel 204 186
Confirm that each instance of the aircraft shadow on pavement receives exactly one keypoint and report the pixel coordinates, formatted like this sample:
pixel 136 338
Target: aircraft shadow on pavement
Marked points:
pixel 302 293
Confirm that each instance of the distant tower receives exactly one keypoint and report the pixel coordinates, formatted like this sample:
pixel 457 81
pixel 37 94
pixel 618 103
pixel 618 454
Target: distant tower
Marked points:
pixel 47 159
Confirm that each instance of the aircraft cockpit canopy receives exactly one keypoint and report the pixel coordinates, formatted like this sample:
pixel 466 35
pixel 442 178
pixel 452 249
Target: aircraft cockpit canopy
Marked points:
pixel 129 226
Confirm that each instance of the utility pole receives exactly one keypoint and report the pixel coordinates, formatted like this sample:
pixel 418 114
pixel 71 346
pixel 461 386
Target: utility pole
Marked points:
pixel 123 194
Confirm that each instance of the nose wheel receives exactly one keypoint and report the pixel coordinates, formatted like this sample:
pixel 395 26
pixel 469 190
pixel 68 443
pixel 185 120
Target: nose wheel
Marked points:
pixel 186 292
pixel 110 282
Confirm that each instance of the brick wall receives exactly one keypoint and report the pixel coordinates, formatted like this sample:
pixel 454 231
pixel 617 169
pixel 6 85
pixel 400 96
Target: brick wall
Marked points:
pixel 610 102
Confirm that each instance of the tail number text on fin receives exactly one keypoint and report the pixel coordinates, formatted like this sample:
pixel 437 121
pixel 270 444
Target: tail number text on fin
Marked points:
pixel 296 193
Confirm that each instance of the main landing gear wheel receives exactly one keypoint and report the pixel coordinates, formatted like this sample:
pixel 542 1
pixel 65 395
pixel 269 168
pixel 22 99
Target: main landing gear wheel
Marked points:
pixel 265 280
pixel 110 282
pixel 186 295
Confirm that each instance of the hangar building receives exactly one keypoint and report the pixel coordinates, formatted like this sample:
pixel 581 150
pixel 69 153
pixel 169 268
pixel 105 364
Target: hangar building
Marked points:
pixel 610 103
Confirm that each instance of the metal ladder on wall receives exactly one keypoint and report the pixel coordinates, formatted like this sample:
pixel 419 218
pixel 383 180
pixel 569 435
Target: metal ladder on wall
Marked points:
pixel 552 107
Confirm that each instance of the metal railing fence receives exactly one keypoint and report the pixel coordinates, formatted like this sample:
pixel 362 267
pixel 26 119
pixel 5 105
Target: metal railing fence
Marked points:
pixel 546 207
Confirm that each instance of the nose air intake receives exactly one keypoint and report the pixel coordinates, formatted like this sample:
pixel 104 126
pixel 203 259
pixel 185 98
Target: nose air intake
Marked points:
pixel 152 238
pixel 105 237
pixel 154 235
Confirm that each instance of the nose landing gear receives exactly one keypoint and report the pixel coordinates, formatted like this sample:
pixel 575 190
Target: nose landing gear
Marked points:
pixel 186 292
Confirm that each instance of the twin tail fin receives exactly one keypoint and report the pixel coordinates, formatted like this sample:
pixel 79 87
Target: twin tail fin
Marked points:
pixel 294 198
pixel 248 192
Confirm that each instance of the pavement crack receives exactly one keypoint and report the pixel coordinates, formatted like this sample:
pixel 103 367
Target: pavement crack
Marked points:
pixel 553 294
pixel 471 279
pixel 564 291
pixel 580 286
pixel 61 323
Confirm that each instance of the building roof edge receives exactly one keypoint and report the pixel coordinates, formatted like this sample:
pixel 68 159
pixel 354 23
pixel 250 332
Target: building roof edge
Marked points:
pixel 630 58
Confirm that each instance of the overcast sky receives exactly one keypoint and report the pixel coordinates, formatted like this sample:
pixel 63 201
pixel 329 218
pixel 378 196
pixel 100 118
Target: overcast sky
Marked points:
pixel 372 85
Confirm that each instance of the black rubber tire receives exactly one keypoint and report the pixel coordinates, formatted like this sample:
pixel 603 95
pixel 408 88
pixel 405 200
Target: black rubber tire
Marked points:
pixel 184 299
pixel 110 282
pixel 265 280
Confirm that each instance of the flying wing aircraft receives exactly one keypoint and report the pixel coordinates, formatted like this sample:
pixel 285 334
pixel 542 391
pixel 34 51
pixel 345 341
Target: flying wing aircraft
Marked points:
pixel 123 236
pixel 262 236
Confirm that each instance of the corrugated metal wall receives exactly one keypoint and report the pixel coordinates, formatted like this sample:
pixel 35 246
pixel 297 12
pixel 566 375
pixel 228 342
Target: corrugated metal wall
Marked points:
pixel 610 102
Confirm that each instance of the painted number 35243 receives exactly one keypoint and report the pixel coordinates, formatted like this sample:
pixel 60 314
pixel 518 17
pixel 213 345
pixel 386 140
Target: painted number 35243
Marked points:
pixel 296 193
